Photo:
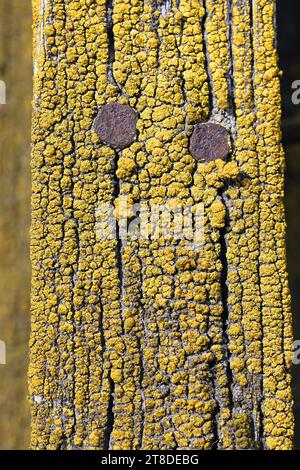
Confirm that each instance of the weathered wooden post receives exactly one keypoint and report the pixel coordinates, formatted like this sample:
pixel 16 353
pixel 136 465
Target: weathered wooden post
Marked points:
pixel 158 341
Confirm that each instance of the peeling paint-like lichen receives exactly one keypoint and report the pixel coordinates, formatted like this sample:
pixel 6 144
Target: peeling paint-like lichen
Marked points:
pixel 152 344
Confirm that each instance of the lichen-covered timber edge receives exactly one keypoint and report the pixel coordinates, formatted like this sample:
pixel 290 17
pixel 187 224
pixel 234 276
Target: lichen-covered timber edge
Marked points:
pixel 152 345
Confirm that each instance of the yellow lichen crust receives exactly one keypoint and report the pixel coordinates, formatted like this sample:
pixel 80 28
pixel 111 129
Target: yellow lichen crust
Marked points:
pixel 16 73
pixel 157 343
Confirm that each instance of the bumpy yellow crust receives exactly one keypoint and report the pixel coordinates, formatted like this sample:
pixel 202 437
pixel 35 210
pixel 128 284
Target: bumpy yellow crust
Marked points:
pixel 152 344
pixel 16 72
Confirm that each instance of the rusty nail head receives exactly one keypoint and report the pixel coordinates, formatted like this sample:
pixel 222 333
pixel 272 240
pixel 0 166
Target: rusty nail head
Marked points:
pixel 209 142
pixel 115 124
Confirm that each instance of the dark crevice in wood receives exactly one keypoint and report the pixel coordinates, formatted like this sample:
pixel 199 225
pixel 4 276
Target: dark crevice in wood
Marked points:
pixel 230 79
pixel 110 417
pixel 141 378
pixel 224 295
pixel 206 62
pixel 110 42
pixel 216 411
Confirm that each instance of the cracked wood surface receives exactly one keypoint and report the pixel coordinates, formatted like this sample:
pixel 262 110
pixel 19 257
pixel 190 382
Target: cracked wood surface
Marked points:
pixel 153 344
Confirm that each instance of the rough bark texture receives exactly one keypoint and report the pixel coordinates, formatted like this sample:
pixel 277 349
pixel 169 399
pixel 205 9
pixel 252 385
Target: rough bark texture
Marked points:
pixel 152 344
pixel 16 72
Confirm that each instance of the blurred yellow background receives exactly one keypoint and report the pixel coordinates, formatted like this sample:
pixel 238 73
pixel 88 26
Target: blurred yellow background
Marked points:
pixel 16 74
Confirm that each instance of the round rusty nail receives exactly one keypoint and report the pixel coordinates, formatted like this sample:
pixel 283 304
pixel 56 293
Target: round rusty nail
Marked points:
pixel 115 124
pixel 209 142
